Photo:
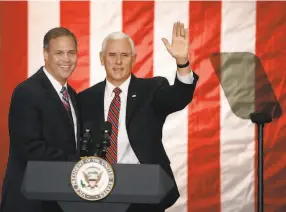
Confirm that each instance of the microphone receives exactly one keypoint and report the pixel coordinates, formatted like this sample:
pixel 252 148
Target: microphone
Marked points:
pixel 106 134
pixel 101 148
pixel 260 118
pixel 86 139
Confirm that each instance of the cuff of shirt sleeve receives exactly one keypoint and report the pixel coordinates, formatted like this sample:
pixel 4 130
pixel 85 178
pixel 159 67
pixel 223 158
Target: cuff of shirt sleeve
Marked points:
pixel 187 79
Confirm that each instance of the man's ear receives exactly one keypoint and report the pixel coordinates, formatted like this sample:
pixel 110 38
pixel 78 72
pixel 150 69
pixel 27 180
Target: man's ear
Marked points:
pixel 101 56
pixel 134 59
pixel 45 53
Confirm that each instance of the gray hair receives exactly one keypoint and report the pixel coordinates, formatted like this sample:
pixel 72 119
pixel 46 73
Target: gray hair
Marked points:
pixel 116 36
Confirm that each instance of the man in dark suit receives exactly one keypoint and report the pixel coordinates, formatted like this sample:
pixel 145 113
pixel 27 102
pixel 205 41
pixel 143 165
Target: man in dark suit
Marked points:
pixel 43 122
pixel 137 108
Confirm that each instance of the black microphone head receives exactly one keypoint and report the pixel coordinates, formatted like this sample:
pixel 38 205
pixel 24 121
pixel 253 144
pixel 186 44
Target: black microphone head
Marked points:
pixel 85 138
pixel 86 134
pixel 260 118
pixel 107 126
pixel 87 125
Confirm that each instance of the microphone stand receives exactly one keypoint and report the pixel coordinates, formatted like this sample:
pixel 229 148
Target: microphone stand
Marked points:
pixel 85 141
pixel 105 143
pixel 260 172
pixel 260 119
pixel 98 150
pixel 101 149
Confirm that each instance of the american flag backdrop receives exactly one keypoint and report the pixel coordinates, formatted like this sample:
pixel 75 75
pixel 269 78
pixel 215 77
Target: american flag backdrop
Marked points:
pixel 212 151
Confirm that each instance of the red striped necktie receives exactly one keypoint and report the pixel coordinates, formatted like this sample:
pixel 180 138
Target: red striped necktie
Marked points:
pixel 65 100
pixel 113 118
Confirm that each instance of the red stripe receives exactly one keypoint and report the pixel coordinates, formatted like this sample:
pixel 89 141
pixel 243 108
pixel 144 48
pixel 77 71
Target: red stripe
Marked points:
pixel 113 136
pixel 114 129
pixel 114 110
pixel 75 17
pixel 138 23
pixel 271 49
pixel 109 159
pixel 113 146
pixel 117 103
pixel 204 132
pixel 111 117
pixel 111 153
pixel 13 64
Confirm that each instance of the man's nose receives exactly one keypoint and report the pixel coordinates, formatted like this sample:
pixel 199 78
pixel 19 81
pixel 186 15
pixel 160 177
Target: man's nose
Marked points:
pixel 118 59
pixel 66 57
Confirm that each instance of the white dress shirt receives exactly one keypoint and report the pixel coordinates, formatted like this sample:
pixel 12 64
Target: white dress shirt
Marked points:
pixel 58 87
pixel 125 153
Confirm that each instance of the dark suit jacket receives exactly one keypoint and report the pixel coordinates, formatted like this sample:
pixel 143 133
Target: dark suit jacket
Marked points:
pixel 145 116
pixel 39 129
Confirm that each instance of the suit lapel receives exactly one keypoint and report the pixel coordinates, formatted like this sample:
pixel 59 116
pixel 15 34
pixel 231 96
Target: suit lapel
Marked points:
pixel 100 102
pixel 134 98
pixel 52 93
pixel 74 103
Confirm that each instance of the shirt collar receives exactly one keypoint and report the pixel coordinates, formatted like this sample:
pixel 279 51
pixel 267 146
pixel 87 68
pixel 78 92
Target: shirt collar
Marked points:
pixel 55 83
pixel 124 87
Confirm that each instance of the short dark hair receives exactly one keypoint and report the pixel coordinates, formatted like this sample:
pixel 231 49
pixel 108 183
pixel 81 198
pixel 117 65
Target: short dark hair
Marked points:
pixel 55 33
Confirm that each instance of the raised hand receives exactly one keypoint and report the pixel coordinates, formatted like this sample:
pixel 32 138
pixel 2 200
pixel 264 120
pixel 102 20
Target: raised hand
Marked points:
pixel 179 48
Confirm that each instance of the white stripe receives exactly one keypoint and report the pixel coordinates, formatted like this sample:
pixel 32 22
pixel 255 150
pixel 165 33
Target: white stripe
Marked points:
pixel 105 17
pixel 175 131
pixel 237 135
pixel 42 16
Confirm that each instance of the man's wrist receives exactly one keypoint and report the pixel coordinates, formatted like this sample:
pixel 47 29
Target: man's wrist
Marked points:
pixel 183 65
pixel 182 60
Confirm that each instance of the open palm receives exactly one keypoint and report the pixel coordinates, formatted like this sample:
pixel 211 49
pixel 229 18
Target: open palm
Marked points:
pixel 179 48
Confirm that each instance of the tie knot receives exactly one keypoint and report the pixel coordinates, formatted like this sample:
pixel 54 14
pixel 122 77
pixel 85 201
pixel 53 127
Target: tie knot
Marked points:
pixel 117 91
pixel 64 90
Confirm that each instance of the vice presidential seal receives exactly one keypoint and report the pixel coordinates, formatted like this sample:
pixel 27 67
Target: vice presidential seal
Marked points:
pixel 92 178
